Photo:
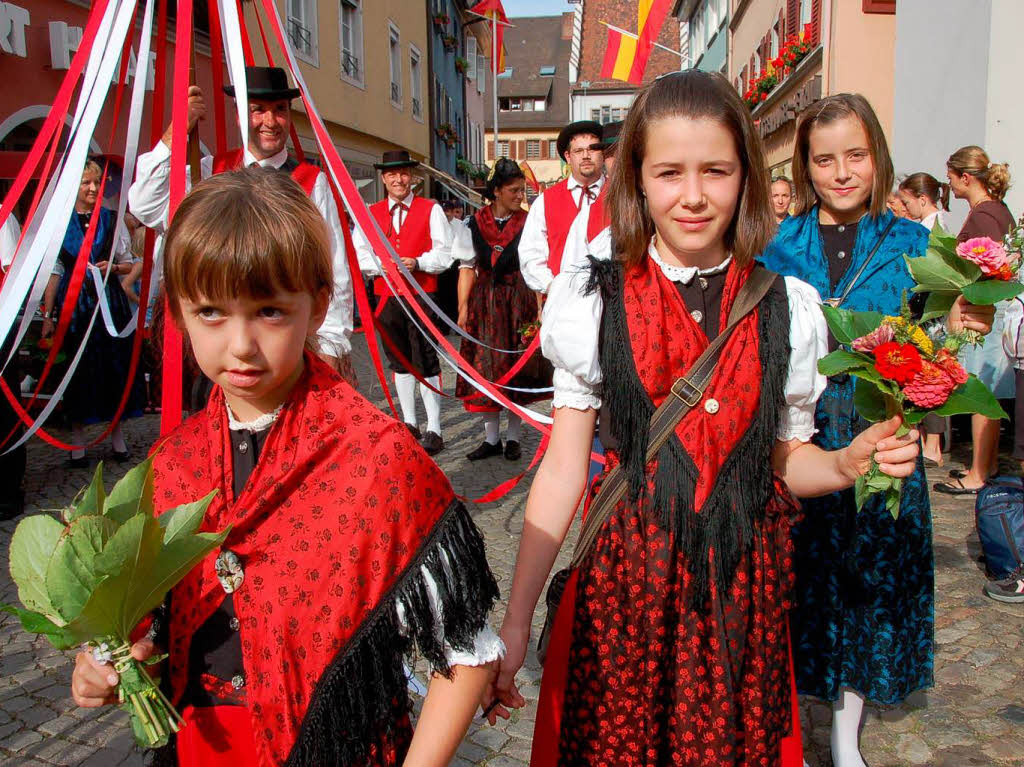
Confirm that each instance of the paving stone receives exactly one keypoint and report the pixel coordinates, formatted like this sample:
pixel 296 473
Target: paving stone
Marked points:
pixel 37 715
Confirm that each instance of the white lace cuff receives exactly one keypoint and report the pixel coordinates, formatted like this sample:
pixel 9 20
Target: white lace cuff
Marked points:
pixel 797 422
pixel 572 391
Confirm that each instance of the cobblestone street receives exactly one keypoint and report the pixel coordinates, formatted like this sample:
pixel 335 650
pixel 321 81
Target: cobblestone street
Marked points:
pixel 973 716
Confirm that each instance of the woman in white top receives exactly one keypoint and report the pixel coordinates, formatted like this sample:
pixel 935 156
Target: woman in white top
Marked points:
pixel 670 642
pixel 924 195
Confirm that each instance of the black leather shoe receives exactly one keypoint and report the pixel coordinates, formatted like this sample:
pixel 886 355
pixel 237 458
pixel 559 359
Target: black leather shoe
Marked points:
pixel 512 450
pixel 79 463
pixel 121 457
pixel 414 430
pixel 485 450
pixel 433 443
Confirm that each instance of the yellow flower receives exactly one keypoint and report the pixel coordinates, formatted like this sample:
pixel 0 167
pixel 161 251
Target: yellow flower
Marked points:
pixel 917 336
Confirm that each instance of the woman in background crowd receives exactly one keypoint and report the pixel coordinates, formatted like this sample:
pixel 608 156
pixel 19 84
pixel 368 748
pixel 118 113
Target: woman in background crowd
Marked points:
pixel 983 184
pixel 95 389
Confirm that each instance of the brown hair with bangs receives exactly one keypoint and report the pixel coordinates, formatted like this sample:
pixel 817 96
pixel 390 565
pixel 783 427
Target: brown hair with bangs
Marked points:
pixel 250 232
pixel 693 95
pixel 829 110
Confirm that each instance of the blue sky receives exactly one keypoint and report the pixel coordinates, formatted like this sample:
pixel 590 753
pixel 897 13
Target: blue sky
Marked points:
pixel 535 7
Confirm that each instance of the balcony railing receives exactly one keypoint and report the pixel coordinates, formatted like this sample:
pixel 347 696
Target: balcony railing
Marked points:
pixel 417 108
pixel 302 38
pixel 349 64
pixel 396 92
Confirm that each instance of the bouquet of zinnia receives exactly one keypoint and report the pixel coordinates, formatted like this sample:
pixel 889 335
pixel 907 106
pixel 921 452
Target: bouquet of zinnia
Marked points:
pixel 982 270
pixel 901 369
pixel 91 579
pixel 528 330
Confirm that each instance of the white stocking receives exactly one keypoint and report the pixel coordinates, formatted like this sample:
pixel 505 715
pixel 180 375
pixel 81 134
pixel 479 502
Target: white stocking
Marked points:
pixel 406 386
pixel 515 427
pixel 432 403
pixel 846 715
pixel 77 438
pixel 117 439
pixel 491 427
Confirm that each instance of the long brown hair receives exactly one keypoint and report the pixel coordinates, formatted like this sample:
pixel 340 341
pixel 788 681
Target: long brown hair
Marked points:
pixel 693 95
pixel 926 185
pixel 974 161
pixel 251 233
pixel 829 110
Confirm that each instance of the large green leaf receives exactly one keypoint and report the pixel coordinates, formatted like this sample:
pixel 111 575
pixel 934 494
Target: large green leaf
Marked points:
pixel 869 401
pixel 129 556
pixel 937 305
pixel 988 292
pixel 847 326
pixel 91 500
pixel 34 623
pixel 71 575
pixel 175 560
pixel 936 274
pixel 941 240
pixel 133 494
pixel 185 519
pixel 843 362
pixel 973 397
pixel 32 545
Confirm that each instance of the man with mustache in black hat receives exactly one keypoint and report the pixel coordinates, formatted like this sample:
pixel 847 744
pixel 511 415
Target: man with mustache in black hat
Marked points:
pixel 418 230
pixel 551 215
pixel 270 122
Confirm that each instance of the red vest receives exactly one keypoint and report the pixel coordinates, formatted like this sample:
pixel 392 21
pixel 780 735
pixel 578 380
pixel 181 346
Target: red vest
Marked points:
pixel 412 242
pixel 560 211
pixel 597 220
pixel 304 173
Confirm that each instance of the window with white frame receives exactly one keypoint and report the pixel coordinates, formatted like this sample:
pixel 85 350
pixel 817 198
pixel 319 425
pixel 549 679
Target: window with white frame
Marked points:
pixel 416 81
pixel 302 30
pixel 470 56
pixel 395 62
pixel 713 19
pixel 552 148
pixel 350 33
pixel 533 149
pixel 805 12
pixel 482 72
pixel 775 44
pixel 503 148
pixel 698 36
pixel 757 64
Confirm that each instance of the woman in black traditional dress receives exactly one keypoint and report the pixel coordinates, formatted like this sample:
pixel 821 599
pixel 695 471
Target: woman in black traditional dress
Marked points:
pixel 94 391
pixel 496 307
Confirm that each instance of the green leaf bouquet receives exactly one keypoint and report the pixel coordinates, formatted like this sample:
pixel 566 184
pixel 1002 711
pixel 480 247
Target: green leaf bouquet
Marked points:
pixel 982 270
pixel 901 369
pixel 92 578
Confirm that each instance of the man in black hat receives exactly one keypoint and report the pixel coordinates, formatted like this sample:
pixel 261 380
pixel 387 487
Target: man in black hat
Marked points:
pixel 608 145
pixel 551 215
pixel 270 119
pixel 418 230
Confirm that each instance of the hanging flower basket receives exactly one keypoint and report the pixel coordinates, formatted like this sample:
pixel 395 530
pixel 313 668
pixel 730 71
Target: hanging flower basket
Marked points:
pixel 461 65
pixel 441 20
pixel 450 41
pixel 448 135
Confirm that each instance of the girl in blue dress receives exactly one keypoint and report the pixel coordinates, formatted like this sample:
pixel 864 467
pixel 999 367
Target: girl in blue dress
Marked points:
pixel 864 616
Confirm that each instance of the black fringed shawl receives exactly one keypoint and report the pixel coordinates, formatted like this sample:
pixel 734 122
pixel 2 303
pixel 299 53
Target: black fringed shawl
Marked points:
pixel 744 483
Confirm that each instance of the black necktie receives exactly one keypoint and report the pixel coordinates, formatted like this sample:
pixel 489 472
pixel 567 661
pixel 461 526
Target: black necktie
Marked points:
pixel 401 207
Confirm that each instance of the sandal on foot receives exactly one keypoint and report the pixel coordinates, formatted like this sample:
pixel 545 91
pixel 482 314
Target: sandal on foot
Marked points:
pixel 956 487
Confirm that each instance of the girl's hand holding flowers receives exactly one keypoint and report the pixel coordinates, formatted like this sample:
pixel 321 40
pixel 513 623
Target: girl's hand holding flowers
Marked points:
pixel 94 683
pixel 895 456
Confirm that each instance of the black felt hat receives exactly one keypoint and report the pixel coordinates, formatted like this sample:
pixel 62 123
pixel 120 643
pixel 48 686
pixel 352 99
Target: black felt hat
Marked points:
pixel 270 83
pixel 610 136
pixel 396 158
pixel 570 131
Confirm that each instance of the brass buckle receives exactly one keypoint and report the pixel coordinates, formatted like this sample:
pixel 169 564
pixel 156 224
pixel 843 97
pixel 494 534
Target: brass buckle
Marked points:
pixel 694 399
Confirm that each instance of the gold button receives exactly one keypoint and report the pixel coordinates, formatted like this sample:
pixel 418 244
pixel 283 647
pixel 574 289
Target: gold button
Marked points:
pixel 711 405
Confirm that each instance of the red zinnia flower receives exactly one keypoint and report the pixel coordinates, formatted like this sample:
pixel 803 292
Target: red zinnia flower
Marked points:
pixel 898 362
pixel 948 362
pixel 931 387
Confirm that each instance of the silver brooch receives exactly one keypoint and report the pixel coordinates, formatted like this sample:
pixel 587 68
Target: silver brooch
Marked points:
pixel 229 572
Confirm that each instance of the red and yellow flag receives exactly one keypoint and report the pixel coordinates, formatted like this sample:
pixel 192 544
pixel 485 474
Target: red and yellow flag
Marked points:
pixel 626 55
pixel 494 12
pixel 531 178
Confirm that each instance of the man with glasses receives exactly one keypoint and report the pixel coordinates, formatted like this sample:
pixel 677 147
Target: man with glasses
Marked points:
pixel 551 215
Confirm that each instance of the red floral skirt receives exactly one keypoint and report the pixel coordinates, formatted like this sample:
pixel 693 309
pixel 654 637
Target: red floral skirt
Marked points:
pixel 635 677
pixel 496 312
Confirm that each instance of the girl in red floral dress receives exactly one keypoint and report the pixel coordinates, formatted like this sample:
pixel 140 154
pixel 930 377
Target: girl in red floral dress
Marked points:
pixel 670 644
pixel 347 550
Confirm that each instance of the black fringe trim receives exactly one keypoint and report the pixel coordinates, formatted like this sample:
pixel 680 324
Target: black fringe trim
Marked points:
pixel 363 692
pixel 744 486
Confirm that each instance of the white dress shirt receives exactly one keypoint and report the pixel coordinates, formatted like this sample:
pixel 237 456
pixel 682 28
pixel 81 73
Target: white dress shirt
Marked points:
pixel 10 232
pixel 571 325
pixel 533 245
pixel 149 200
pixel 434 261
pixel 462 244
pixel 929 221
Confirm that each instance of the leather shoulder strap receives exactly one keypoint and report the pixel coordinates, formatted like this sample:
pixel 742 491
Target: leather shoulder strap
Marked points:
pixel 687 392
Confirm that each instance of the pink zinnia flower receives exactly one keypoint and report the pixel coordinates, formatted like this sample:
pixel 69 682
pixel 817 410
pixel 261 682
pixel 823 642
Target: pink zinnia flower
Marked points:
pixel 883 334
pixel 931 387
pixel 948 362
pixel 989 255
